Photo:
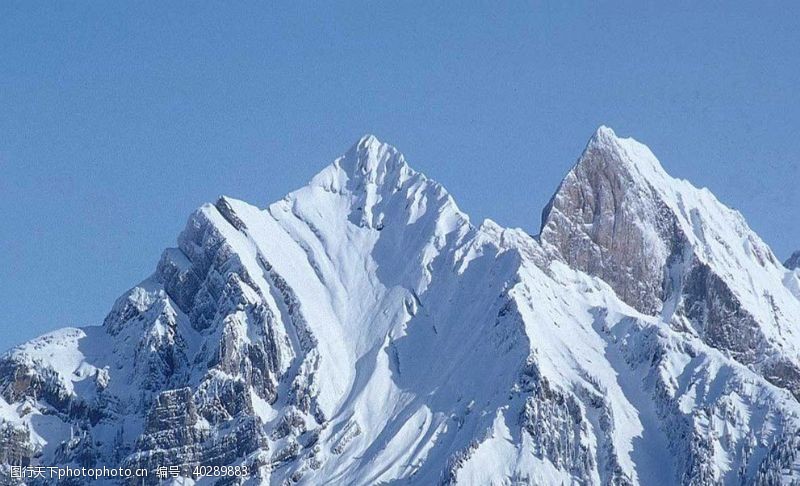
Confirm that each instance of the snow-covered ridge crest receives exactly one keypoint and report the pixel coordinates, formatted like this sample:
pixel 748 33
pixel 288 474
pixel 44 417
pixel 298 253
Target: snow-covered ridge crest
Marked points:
pixel 368 161
pixel 377 178
pixel 362 331
pixel 635 155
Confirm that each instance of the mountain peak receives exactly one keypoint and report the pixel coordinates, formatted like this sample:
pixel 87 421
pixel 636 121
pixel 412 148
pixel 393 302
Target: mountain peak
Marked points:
pixel 372 159
pixel 368 162
pixel 618 215
pixel 368 140
pixel 674 251
pixel 623 154
pixel 603 135
pixel 593 219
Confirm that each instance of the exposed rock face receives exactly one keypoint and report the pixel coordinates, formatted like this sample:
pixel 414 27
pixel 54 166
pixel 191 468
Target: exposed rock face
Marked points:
pixel 670 249
pixel 15 445
pixel 556 425
pixel 175 434
pixel 363 331
pixel 606 220
pixel 793 261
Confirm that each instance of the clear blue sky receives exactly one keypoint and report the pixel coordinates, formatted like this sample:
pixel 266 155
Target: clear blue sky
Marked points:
pixel 117 119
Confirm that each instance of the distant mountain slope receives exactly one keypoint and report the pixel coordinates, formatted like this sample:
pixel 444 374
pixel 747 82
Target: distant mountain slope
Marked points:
pixel 363 331
pixel 793 261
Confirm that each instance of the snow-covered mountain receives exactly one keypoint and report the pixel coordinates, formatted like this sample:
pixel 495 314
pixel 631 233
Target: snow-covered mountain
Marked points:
pixel 363 331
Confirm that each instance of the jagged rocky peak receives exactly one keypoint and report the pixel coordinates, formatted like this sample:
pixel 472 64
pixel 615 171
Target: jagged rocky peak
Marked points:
pixel 618 215
pixel 607 219
pixel 670 249
pixel 793 261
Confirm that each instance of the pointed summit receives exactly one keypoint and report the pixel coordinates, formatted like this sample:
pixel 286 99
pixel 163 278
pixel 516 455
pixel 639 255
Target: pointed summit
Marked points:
pixel 367 162
pixel 628 154
pixel 369 143
pixel 594 220
pixel 618 215
pixel 368 139
pixel 376 179
pixel 672 250
pixel 603 135
pixel 604 140
pixel 371 160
